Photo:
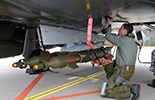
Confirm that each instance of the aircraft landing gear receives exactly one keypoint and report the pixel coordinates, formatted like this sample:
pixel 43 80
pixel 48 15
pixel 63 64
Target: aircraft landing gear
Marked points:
pixel 154 73
pixel 152 67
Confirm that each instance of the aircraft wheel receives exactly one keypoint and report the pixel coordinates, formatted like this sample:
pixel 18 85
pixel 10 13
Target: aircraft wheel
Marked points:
pixel 154 73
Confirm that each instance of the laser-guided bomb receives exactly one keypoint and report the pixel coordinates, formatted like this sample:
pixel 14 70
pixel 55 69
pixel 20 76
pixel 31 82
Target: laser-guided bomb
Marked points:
pixel 62 59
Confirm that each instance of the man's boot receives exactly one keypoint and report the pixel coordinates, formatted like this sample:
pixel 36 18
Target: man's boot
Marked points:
pixel 135 91
pixel 153 84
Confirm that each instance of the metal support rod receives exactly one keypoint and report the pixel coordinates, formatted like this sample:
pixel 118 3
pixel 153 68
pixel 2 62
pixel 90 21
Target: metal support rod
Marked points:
pixel 40 40
pixel 96 56
pixel 149 26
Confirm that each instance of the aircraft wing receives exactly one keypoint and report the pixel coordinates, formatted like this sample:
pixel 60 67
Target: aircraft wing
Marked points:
pixel 31 25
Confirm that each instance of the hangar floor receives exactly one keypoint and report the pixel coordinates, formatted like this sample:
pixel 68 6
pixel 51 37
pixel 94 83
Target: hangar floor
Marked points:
pixel 83 83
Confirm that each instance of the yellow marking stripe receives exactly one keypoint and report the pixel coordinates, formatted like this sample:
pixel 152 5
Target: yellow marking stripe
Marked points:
pixel 43 94
pixel 81 57
pixel 93 79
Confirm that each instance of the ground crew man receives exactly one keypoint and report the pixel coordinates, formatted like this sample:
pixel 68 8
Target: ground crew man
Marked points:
pixel 121 70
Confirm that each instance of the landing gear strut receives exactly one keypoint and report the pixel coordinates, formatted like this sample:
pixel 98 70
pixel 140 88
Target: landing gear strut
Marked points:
pixel 152 67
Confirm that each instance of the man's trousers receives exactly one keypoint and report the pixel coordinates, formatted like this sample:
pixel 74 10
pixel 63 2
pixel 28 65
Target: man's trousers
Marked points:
pixel 117 76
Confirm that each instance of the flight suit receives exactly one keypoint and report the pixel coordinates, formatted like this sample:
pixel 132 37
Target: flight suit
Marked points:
pixel 122 70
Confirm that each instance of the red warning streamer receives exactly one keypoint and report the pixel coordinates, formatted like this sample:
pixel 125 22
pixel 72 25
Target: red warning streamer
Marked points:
pixel 89 30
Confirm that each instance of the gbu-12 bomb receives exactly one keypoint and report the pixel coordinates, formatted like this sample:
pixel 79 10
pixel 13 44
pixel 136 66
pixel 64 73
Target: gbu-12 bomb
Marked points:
pixel 62 59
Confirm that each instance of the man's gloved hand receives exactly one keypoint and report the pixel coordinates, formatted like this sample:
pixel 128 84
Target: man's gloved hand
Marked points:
pixel 109 24
pixel 103 31
pixel 109 21
pixel 108 62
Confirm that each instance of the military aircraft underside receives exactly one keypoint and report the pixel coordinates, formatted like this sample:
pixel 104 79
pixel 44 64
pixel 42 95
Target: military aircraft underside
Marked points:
pixel 30 27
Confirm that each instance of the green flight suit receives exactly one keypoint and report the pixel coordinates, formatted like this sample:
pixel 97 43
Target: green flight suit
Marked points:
pixel 124 68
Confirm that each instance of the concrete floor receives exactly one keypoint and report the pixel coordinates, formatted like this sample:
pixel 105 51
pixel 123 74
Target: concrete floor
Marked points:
pixel 15 84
